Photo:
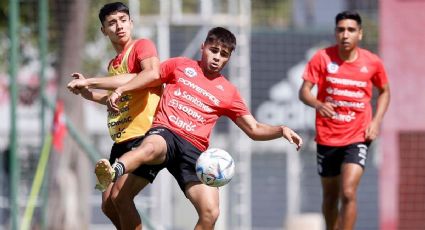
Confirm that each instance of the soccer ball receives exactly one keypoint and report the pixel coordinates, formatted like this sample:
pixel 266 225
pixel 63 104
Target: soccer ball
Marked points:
pixel 215 167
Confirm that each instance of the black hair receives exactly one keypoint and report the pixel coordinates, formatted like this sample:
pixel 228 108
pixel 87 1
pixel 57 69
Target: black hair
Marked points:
pixel 348 15
pixel 222 36
pixel 110 8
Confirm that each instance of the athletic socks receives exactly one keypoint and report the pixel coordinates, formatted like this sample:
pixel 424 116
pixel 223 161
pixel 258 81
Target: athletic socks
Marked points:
pixel 119 170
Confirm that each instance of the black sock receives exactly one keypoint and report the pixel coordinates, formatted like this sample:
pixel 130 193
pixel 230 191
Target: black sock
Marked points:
pixel 119 170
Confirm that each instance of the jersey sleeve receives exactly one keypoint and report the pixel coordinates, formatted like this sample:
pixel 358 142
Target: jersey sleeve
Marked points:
pixel 167 68
pixel 237 107
pixel 380 78
pixel 144 48
pixel 312 69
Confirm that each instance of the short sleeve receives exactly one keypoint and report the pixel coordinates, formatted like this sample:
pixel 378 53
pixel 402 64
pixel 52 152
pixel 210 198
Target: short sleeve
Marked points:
pixel 237 107
pixel 380 78
pixel 312 69
pixel 144 48
pixel 167 69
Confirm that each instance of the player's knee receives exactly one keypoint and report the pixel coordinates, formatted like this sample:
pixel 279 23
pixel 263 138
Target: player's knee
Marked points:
pixel 330 197
pixel 152 153
pixel 107 207
pixel 210 215
pixel 348 195
pixel 120 200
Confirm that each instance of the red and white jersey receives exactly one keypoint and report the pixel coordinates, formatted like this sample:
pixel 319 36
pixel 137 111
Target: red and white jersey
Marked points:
pixel 348 85
pixel 191 103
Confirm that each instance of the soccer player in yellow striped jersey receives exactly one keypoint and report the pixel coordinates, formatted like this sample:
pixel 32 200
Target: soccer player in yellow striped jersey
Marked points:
pixel 135 58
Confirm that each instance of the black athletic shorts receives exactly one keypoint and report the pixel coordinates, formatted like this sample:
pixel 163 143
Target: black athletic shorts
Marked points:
pixel 181 156
pixel 148 172
pixel 331 158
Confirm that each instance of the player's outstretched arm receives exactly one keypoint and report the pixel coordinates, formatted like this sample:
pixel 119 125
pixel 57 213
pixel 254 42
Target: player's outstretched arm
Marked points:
pixel 263 132
pixel 99 97
pixel 107 83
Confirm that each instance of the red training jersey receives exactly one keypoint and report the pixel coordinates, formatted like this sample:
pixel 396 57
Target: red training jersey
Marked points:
pixel 191 103
pixel 348 85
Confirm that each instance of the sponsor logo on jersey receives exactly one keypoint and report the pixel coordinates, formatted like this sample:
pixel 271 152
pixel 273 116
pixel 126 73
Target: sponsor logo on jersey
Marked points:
pixel 200 90
pixel 220 87
pixel 345 117
pixel 188 126
pixel 332 67
pixel 188 110
pixel 345 92
pixel 349 104
pixel 190 72
pixel 364 69
pixel 344 81
pixel 193 99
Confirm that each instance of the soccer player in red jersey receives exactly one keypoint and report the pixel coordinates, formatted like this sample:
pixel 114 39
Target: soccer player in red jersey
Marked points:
pixel 195 96
pixel 135 58
pixel 345 126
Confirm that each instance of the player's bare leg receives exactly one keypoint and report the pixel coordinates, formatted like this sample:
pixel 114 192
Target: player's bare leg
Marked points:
pixel 108 207
pixel 331 186
pixel 152 151
pixel 350 179
pixel 205 199
pixel 123 193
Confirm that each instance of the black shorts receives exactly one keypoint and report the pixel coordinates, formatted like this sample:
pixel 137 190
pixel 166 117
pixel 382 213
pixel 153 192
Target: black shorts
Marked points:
pixel 148 172
pixel 181 156
pixel 331 158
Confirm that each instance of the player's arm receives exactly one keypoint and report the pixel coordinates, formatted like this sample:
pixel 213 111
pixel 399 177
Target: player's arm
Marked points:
pixel 107 83
pixel 325 109
pixel 262 132
pixel 383 101
pixel 99 97
pixel 148 77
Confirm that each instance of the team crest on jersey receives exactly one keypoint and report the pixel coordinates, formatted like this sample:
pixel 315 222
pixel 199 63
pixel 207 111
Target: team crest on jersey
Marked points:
pixel 190 72
pixel 332 67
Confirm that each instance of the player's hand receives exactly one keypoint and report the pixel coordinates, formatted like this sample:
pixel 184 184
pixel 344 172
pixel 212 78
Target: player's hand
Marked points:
pixel 77 84
pixel 372 131
pixel 326 109
pixel 76 87
pixel 112 101
pixel 292 137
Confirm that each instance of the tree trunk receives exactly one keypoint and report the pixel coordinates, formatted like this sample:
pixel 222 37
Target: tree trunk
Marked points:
pixel 69 184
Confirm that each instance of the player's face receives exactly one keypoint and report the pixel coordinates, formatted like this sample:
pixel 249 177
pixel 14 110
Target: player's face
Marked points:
pixel 214 57
pixel 348 34
pixel 118 26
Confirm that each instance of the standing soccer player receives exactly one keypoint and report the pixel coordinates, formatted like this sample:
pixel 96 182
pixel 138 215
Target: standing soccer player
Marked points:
pixel 127 126
pixel 345 126
pixel 195 96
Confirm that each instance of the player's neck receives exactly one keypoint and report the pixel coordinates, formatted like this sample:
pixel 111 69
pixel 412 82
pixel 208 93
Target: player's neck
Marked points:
pixel 120 47
pixel 348 55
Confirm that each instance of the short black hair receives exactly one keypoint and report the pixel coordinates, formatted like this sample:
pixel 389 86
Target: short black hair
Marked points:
pixel 348 15
pixel 222 36
pixel 110 8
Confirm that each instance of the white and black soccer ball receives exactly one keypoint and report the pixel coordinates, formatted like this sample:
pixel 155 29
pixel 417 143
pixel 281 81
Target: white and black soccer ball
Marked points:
pixel 215 167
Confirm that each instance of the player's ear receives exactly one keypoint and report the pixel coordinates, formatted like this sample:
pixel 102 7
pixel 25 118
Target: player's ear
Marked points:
pixel 103 30
pixel 360 34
